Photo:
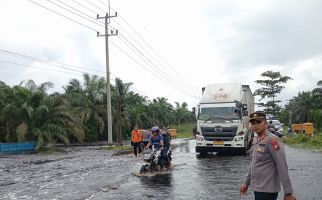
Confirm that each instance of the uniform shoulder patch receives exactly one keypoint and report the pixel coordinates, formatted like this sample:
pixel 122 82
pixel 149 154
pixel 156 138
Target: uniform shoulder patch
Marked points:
pixel 274 144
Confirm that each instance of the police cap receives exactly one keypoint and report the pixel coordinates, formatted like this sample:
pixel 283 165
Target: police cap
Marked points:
pixel 258 116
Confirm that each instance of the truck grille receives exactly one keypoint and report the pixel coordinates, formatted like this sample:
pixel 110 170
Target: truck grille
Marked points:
pixel 212 133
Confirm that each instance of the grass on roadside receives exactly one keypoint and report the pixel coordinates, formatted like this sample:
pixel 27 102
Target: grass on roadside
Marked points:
pixel 183 130
pixel 301 140
pixel 50 151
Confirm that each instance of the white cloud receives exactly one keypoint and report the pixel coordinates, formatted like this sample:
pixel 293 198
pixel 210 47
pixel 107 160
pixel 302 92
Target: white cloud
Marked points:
pixel 205 41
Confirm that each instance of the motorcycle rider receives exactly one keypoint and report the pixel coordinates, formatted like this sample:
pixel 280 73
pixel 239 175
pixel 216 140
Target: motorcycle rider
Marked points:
pixel 157 141
pixel 164 152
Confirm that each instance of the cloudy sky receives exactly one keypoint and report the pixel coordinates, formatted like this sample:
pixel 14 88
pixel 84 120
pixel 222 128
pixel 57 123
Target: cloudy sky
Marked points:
pixel 166 48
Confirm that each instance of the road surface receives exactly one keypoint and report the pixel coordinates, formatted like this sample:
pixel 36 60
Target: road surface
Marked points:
pixel 94 174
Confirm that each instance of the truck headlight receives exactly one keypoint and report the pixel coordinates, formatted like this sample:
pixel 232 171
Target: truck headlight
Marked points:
pixel 238 139
pixel 200 137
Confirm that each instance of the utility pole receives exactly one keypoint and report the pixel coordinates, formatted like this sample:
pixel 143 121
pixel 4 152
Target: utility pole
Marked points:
pixel 108 83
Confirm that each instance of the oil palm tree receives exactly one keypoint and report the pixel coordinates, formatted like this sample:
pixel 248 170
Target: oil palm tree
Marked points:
pixel 89 100
pixel 302 106
pixel 317 94
pixel 53 121
pixel 121 91
pixel 16 109
pixel 29 113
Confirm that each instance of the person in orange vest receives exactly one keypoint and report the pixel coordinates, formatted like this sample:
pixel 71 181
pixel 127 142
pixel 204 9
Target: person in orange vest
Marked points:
pixel 136 138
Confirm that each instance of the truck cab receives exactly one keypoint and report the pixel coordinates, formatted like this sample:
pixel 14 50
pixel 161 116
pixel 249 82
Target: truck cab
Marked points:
pixel 222 118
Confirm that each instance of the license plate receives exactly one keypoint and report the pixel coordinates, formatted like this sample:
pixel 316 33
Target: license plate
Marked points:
pixel 219 142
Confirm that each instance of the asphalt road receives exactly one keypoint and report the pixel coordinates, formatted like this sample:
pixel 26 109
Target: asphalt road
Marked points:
pixel 91 173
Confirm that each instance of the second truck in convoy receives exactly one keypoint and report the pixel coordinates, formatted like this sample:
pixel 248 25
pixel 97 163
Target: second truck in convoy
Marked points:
pixel 222 118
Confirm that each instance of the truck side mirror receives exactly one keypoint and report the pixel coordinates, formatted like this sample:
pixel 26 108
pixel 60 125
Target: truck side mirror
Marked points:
pixel 245 113
pixel 238 104
pixel 194 110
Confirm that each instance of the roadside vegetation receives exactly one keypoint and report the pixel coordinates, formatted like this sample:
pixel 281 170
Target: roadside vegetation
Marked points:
pixel 305 141
pixel 305 107
pixel 78 114
pixel 184 130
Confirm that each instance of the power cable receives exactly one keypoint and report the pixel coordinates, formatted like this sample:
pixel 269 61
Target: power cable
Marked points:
pixel 29 66
pixel 31 58
pixel 154 51
pixel 173 82
pixel 151 55
pixel 151 72
pixel 103 3
pixel 149 62
pixel 95 5
pixel 63 15
pixel 80 11
pixel 95 22
pixel 76 2
pixel 111 42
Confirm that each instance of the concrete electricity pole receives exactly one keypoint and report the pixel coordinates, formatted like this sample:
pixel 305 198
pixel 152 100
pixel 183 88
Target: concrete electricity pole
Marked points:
pixel 108 86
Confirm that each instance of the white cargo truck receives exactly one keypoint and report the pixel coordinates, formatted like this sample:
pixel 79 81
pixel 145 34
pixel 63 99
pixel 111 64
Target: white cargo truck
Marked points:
pixel 222 118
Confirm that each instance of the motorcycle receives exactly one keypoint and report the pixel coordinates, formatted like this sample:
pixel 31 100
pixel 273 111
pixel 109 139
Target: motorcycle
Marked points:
pixel 276 132
pixel 152 157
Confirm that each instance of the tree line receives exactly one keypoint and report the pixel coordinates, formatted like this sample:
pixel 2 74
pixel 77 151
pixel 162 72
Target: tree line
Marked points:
pixel 29 112
pixel 305 107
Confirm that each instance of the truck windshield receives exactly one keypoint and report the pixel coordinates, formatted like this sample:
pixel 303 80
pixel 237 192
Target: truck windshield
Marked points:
pixel 218 112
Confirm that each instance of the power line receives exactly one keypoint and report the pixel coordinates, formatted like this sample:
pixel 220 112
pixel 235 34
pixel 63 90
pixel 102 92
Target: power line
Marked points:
pixel 29 66
pixel 149 62
pixel 147 69
pixel 167 77
pixel 95 5
pixel 99 23
pixel 111 42
pixel 63 16
pixel 95 22
pixel 84 7
pixel 103 3
pixel 65 72
pixel 80 12
pixel 154 51
pixel 54 63
pixel 149 54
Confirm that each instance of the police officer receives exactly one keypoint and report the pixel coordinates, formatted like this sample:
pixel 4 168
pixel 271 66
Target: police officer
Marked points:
pixel 268 168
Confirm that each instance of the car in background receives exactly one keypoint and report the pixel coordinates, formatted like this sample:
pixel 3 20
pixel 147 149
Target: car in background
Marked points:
pixel 278 125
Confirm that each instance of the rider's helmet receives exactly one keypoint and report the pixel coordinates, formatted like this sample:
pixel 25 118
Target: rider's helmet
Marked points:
pixel 155 129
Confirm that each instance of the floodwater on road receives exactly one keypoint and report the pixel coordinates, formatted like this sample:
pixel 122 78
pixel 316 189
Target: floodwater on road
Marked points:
pixel 93 174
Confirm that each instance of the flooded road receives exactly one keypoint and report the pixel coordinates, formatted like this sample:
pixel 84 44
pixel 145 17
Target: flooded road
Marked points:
pixel 90 173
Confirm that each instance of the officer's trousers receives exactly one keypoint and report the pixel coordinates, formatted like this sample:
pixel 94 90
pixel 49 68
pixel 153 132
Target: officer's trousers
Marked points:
pixel 265 196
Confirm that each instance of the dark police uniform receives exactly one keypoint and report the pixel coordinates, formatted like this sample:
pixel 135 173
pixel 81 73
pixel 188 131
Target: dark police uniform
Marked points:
pixel 268 168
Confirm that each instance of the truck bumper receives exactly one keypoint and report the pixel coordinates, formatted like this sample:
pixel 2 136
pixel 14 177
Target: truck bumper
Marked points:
pixel 238 145
pixel 205 149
